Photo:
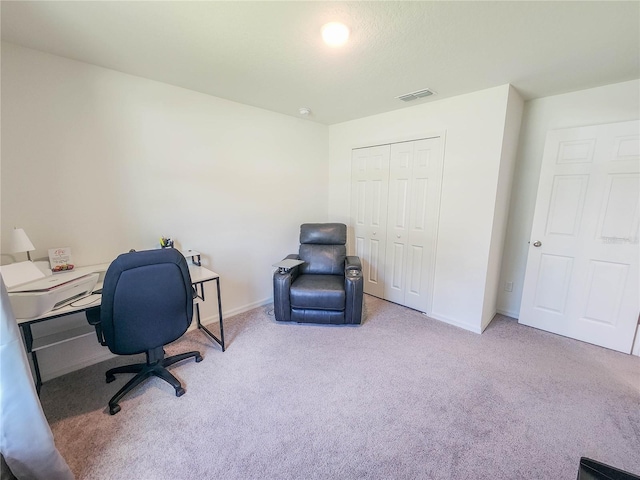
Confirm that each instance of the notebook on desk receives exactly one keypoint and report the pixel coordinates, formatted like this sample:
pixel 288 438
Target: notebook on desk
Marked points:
pixel 16 274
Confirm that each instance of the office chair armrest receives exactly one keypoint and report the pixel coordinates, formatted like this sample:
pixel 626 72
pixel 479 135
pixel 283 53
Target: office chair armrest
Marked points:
pixel 93 317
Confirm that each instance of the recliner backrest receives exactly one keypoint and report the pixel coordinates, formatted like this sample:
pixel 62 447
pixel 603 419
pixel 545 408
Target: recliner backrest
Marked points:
pixel 147 300
pixel 323 248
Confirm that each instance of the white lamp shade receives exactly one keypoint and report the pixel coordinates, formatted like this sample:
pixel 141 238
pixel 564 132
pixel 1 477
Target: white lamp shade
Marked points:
pixel 20 242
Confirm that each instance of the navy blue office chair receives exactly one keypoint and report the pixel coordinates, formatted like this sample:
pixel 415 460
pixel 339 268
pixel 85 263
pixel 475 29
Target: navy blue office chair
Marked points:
pixel 147 302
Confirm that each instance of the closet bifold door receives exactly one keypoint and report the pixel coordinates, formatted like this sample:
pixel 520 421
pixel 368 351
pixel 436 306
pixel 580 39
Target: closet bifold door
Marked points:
pixel 395 202
pixel 369 191
pixel 415 173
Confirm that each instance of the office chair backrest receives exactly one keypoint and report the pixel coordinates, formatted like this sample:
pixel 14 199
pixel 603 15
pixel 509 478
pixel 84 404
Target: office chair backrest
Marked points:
pixel 146 300
pixel 322 248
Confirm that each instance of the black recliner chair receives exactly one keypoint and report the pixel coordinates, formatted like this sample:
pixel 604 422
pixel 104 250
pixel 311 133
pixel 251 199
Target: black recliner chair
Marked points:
pixel 327 287
pixel 147 302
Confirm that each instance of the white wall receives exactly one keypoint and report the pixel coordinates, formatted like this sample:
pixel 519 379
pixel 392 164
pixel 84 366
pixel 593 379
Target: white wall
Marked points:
pixel 474 126
pixel 608 104
pixel 513 118
pixel 102 162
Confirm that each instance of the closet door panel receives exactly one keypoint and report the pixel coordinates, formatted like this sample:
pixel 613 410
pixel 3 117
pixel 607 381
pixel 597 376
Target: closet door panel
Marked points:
pixel 370 184
pixel 423 222
pixel 400 186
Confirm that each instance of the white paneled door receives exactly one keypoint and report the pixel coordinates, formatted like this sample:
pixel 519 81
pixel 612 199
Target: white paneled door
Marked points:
pixel 415 173
pixel 369 190
pixel 582 276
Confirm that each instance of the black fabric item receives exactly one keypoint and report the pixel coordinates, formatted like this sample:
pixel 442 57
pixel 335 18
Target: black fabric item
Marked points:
pixel 322 292
pixel 593 470
pixel 323 233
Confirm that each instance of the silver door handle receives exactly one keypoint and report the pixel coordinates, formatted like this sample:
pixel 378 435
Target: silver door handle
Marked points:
pixel 375 233
pixel 398 236
pixel 537 243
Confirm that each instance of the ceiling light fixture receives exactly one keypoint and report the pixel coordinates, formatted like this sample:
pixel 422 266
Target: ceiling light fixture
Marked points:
pixel 304 111
pixel 335 34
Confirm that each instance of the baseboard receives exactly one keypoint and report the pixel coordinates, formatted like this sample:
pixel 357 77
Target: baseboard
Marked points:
pixel 455 323
pixel 508 313
pixel 247 307
pixel 230 313
pixel 484 325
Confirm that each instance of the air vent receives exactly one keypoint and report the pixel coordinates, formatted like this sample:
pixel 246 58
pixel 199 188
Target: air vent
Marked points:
pixel 408 97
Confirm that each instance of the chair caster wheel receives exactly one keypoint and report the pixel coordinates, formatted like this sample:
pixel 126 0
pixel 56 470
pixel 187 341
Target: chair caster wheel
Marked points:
pixel 198 358
pixel 113 409
pixel 179 392
pixel 111 378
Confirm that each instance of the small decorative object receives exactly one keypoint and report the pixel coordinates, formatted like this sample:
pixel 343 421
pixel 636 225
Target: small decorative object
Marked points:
pixel 166 242
pixel 60 259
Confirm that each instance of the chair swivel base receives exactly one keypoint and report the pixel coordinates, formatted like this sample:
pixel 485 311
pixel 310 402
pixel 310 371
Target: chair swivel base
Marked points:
pixel 153 367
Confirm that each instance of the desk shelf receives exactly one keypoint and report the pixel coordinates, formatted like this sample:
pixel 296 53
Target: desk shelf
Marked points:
pixel 62 337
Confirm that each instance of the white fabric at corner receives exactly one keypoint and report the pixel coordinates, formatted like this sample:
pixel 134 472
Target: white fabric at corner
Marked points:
pixel 26 441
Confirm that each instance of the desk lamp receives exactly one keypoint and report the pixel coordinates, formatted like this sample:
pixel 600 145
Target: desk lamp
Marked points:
pixel 20 242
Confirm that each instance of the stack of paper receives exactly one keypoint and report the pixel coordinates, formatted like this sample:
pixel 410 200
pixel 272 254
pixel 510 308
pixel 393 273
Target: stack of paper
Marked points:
pixel 20 273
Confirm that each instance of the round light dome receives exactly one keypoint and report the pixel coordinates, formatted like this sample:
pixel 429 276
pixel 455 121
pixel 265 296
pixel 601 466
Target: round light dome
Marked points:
pixel 335 34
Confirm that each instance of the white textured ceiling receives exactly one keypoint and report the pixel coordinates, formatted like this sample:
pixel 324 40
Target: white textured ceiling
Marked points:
pixel 270 54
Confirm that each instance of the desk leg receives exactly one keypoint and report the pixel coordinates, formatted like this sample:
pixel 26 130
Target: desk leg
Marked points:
pixel 220 314
pixel 220 340
pixel 28 340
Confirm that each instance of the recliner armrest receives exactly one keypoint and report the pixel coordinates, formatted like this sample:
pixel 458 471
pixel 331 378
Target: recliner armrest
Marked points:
pixel 352 266
pixel 281 286
pixel 354 285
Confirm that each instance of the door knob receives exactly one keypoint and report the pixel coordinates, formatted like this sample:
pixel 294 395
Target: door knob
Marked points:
pixel 375 233
pixel 398 236
pixel 537 243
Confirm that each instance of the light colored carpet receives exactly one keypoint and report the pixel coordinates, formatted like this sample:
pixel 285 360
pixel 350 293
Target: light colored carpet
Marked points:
pixel 401 396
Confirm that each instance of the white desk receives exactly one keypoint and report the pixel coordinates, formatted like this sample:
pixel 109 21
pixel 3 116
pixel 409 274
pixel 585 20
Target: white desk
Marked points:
pixel 199 276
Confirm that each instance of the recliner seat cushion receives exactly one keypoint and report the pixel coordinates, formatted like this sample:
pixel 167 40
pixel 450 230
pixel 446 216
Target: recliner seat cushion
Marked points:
pixel 324 292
